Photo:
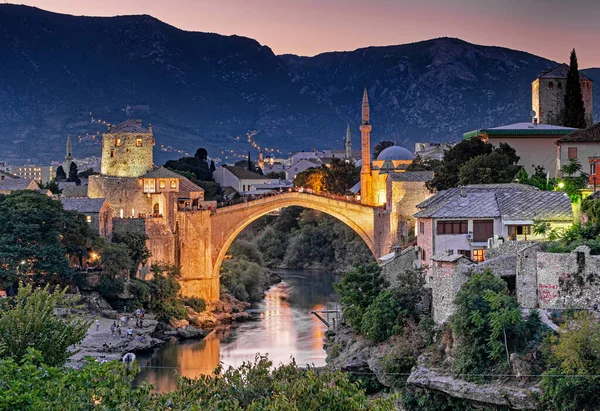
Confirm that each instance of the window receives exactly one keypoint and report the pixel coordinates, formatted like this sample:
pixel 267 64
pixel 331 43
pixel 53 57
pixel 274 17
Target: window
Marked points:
pixel 452 227
pixel 479 255
pixel 117 142
pixel 138 142
pixel 482 230
pixel 559 85
pixel 173 183
pixel 551 85
pixel 112 153
pixel 162 184
pixel 421 227
pixel 572 152
pixel 592 168
pixel 423 254
pixel 88 218
pixel 466 253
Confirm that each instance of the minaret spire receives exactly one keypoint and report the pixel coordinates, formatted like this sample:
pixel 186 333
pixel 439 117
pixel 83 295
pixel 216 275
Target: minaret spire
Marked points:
pixel 348 142
pixel 366 185
pixel 365 108
pixel 68 156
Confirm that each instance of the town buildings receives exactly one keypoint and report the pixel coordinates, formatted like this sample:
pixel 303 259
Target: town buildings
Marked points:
pixel 583 146
pixel 98 212
pixel 238 178
pixel 41 174
pixel 469 220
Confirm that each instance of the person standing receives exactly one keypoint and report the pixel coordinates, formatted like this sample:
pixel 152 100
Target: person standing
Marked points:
pixel 97 324
pixel 112 329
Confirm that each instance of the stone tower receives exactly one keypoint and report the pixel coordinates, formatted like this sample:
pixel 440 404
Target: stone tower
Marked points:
pixel 68 156
pixel 366 189
pixel 127 150
pixel 348 143
pixel 548 96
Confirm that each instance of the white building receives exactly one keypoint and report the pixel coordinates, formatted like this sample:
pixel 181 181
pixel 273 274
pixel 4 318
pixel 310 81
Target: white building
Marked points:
pixel 42 174
pixel 238 178
pixel 300 166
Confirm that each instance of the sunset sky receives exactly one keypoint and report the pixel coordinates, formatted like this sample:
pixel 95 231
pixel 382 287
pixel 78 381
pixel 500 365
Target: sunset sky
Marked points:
pixel 549 28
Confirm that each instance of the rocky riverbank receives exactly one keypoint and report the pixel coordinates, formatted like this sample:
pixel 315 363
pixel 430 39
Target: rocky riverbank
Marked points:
pixel 103 345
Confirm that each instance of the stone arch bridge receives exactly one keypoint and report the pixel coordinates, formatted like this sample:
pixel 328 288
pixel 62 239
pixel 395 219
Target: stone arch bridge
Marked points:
pixel 203 237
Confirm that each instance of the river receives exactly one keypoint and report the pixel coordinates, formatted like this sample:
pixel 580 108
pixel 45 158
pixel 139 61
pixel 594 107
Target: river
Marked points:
pixel 284 329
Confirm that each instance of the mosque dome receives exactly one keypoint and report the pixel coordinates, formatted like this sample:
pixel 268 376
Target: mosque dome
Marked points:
pixel 359 163
pixel 395 153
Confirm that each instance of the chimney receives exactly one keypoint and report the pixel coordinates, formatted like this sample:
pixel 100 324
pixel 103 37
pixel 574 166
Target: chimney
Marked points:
pixel 463 192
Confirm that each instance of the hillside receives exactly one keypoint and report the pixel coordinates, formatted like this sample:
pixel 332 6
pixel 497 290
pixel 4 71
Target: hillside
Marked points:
pixel 203 89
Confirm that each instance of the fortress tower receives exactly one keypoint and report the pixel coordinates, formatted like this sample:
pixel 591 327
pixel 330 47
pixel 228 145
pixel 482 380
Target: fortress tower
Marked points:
pixel 127 150
pixel 366 187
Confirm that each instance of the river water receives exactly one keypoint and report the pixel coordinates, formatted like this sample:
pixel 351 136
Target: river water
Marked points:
pixel 284 329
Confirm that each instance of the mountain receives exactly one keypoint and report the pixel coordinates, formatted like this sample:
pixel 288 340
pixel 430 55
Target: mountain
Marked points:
pixel 57 72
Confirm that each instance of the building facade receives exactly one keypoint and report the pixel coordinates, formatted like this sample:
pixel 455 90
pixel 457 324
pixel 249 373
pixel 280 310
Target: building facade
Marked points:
pixel 583 146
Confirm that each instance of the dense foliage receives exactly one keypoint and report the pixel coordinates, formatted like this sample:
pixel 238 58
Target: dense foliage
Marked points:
pixel 336 178
pixel 197 165
pixel 38 237
pixel 474 161
pixel 574 115
pixel 488 324
pixel 164 289
pixel 29 321
pixel 246 280
pixel 572 381
pixel 136 245
pixel 33 385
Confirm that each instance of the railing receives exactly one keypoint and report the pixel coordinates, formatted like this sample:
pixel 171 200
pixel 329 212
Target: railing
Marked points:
pixel 253 197
pixel 331 318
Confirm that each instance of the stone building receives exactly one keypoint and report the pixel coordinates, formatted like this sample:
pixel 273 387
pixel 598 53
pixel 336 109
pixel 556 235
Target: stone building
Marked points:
pixel 584 146
pixel 548 96
pixel 127 150
pixel 97 211
pixel 8 185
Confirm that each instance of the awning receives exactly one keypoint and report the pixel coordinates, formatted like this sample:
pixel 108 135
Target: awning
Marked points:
pixel 517 222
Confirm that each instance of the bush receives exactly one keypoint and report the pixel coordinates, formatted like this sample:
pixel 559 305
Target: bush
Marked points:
pixel 244 279
pixel 29 321
pixel 418 399
pixel 572 382
pixel 110 288
pixel 357 290
pixel 380 320
pixel 196 304
pixel 246 250
pixel 140 292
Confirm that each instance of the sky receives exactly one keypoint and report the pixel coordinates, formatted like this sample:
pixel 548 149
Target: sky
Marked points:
pixel 548 28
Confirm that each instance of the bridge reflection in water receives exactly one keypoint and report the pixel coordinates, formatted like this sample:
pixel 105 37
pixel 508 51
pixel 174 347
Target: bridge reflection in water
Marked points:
pixel 284 329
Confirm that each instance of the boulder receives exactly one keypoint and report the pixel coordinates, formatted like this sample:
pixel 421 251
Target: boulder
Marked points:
pixel 179 323
pixel 190 332
pixel 112 314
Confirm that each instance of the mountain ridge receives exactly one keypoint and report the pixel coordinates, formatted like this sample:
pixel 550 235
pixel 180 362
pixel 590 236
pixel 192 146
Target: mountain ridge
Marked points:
pixel 206 89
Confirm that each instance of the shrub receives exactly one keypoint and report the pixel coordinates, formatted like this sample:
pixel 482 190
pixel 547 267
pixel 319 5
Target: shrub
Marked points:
pixel 380 320
pixel 357 290
pixel 246 250
pixel 244 279
pixel 140 292
pixel 29 321
pixel 196 304
pixel 572 382
pixel 110 288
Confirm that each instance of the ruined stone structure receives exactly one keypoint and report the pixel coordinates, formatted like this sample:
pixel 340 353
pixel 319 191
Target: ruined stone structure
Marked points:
pixel 548 96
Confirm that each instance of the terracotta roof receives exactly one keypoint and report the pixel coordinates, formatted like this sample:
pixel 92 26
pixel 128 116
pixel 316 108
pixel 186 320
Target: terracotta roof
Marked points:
pixel 412 176
pixel 83 204
pixel 129 126
pixel 590 134
pixel 162 172
pixel 560 72
pixel 242 173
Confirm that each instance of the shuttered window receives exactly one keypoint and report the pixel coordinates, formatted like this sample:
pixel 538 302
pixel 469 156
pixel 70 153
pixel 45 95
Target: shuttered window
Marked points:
pixel 572 152
pixel 482 230
pixel 452 227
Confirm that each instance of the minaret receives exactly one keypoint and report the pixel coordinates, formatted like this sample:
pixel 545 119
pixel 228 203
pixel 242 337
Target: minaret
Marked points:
pixel 348 143
pixel 68 156
pixel 366 190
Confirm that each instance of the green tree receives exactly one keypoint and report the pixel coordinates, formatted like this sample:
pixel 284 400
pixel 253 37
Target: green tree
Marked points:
pixel 446 174
pixel 73 174
pixel 379 147
pixel 504 315
pixel 29 321
pixel 574 115
pixel 499 166
pixel 316 179
pixel 572 382
pixel 247 250
pixel 276 174
pixel 116 260
pixel 201 154
pixel 60 174
pixel 36 235
pixel 136 245
pixel 197 165
pixel 212 166
pixel 245 279
pixel 165 290
pixel 357 290
pixel 344 175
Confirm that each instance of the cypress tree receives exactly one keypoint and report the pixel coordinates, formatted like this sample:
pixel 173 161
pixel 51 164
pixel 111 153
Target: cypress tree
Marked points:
pixel 574 110
pixel 60 173
pixel 212 166
pixel 73 172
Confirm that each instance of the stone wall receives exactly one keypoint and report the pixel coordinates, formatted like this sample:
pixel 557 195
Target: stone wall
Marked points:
pixel 403 197
pixel 568 280
pixel 404 260
pixel 526 281
pixel 447 279
pixel 129 159
pixel 123 193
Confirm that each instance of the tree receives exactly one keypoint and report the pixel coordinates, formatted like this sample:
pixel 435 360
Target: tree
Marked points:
pixel 212 166
pixel 357 290
pixel 73 174
pixel 201 154
pixel 574 108
pixel 446 173
pixel 499 166
pixel 344 175
pixel 379 147
pixel 198 167
pixel 29 321
pixel 280 175
pixel 116 261
pixel 36 237
pixel 315 179
pixel 60 174
pixel 136 245
pixel 504 314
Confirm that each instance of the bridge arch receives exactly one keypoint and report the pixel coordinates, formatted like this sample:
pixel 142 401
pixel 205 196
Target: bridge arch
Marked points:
pixel 228 222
